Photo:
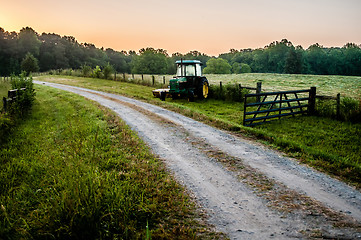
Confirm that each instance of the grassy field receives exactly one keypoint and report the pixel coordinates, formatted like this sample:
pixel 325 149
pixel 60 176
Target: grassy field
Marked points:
pixel 348 86
pixel 73 170
pixel 329 145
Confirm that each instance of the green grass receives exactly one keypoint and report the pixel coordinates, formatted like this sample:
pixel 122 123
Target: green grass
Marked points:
pixel 4 87
pixel 329 145
pixel 73 170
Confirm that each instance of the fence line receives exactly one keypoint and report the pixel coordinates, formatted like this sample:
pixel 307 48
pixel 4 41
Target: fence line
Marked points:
pixel 275 108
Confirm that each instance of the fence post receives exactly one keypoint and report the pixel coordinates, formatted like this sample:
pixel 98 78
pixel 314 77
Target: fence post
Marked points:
pixel 115 76
pixel 133 76
pixel 163 80
pixel 312 101
pixel 124 77
pixel 220 86
pixel 153 80
pixel 5 104
pixel 338 106
pixel 258 90
pixel 244 109
pixel 142 77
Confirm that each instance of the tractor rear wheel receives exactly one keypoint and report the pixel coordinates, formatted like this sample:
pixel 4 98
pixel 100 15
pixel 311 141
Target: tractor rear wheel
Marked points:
pixel 203 88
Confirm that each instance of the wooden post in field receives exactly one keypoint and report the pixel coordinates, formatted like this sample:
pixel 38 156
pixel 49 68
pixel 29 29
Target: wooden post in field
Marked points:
pixel 312 101
pixel 220 86
pixel 142 77
pixel 4 103
pixel 163 80
pixel 115 76
pixel 338 106
pixel 124 77
pixel 153 80
pixel 133 76
pixel 258 90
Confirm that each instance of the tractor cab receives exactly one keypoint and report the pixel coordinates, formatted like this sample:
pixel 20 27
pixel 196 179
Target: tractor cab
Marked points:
pixel 189 81
pixel 190 68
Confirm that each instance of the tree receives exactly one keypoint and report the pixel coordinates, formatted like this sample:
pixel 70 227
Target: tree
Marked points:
pixel 150 61
pixel 245 68
pixel 29 64
pixel 29 42
pixel 236 68
pixel 107 71
pixel 217 66
pixel 293 62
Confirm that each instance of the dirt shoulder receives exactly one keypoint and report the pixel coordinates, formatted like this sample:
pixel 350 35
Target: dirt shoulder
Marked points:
pixel 248 190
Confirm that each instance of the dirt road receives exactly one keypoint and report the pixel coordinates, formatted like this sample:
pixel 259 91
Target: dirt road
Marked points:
pixel 247 190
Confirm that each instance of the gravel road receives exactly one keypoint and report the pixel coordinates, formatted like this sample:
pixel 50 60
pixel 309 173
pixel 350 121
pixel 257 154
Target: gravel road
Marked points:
pixel 197 154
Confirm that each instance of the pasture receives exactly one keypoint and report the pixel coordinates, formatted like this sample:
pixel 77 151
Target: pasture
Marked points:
pixel 329 145
pixel 329 85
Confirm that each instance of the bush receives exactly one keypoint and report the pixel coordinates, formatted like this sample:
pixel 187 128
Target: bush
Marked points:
pixel 29 64
pixel 229 92
pixel 350 109
pixel 97 72
pixel 326 108
pixel 25 99
pixel 107 71
pixel 86 70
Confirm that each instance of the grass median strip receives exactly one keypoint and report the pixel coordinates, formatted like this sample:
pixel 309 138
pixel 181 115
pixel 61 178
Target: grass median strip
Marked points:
pixel 75 170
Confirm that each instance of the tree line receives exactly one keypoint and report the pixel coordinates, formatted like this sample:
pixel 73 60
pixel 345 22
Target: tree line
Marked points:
pixel 49 51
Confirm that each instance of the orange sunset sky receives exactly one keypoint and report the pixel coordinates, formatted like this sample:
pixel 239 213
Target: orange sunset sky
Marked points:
pixel 209 26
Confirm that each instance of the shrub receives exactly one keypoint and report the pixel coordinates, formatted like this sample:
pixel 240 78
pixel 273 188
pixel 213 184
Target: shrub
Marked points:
pixel 86 70
pixel 245 68
pixel 25 99
pixel 29 64
pixel 107 71
pixel 326 108
pixel 350 109
pixel 229 92
pixel 97 72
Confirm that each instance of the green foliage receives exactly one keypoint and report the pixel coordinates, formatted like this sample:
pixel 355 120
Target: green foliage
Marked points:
pixel 236 68
pixel 229 92
pixel 350 109
pixel 293 62
pixel 97 72
pixel 217 66
pixel 150 61
pixel 107 71
pixel 86 70
pixel 56 52
pixel 29 64
pixel 24 98
pixel 245 68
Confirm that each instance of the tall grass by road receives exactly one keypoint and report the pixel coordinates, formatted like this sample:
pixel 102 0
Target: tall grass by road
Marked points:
pixel 329 145
pixel 5 86
pixel 73 170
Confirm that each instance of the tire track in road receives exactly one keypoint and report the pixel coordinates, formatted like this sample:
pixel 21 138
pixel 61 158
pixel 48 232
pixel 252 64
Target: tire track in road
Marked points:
pixel 232 206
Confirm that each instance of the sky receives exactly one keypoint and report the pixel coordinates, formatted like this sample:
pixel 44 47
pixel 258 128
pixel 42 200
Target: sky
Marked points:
pixel 208 26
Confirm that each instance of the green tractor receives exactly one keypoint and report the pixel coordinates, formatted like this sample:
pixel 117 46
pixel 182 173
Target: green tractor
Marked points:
pixel 188 82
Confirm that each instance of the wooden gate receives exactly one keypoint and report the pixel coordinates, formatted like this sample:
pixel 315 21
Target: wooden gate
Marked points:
pixel 287 103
